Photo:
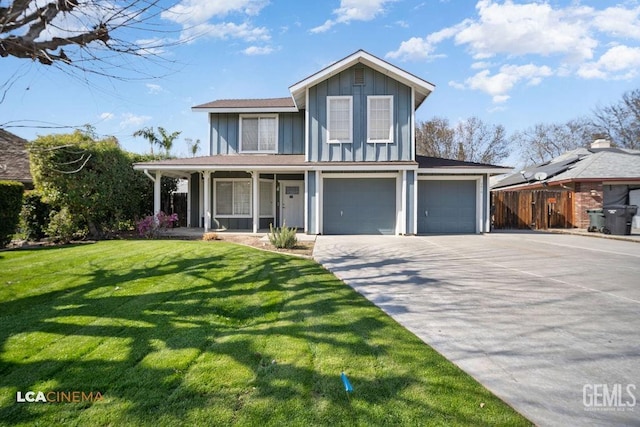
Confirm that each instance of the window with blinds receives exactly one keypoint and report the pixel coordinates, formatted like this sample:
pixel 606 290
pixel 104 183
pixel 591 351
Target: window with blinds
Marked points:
pixel 233 198
pixel 259 134
pixel 339 119
pixel 380 118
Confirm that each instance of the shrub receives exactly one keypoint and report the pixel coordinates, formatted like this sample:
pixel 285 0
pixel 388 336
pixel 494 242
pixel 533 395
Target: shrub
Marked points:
pixel 150 226
pixel 63 227
pixel 210 236
pixel 34 217
pixel 283 237
pixel 10 205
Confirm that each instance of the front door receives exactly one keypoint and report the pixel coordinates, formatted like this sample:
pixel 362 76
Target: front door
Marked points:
pixel 292 203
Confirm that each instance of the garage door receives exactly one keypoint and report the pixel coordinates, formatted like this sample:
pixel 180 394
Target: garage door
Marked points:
pixel 446 206
pixel 359 206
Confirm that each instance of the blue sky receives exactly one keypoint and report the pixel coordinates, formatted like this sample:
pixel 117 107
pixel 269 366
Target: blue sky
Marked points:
pixel 513 63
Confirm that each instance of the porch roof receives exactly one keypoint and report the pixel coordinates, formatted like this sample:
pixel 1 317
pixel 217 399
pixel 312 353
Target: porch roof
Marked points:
pixel 265 162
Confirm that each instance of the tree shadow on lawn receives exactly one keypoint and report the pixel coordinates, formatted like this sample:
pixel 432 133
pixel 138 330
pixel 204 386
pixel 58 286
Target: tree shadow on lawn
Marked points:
pixel 200 339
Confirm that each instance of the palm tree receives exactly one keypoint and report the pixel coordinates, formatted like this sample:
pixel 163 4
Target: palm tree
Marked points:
pixel 166 140
pixel 148 134
pixel 195 147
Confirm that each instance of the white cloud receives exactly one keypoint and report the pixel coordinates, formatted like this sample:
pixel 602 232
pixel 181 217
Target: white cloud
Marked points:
pixel 130 120
pixel 198 17
pixel 619 62
pixel 618 22
pixel 531 28
pixel 225 30
pixel 565 38
pixel 498 85
pixel 258 50
pixel 154 89
pixel 200 11
pixel 354 10
pixel 106 116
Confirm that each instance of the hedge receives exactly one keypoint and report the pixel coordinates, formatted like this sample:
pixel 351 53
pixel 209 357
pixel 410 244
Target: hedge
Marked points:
pixel 10 205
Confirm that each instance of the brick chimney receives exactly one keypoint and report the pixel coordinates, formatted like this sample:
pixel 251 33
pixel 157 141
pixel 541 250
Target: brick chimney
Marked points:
pixel 601 143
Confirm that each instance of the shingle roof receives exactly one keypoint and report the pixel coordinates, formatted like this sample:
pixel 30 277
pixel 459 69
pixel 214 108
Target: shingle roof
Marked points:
pixel 14 158
pixel 580 164
pixel 249 103
pixel 437 162
pixel 232 160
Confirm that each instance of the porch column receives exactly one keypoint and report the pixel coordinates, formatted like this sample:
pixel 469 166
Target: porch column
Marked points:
pixel 156 192
pixel 189 196
pixel 256 200
pixel 207 200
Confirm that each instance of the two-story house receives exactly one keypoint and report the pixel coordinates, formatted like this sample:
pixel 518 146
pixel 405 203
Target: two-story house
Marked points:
pixel 337 156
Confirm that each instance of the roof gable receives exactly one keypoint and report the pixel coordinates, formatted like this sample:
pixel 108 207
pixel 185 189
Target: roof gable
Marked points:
pixel 421 87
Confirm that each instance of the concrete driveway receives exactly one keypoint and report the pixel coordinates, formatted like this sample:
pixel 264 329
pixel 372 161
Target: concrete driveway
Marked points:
pixel 548 322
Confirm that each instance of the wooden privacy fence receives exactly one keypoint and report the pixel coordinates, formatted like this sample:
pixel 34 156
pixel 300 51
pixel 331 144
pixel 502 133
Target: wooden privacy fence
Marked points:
pixel 533 209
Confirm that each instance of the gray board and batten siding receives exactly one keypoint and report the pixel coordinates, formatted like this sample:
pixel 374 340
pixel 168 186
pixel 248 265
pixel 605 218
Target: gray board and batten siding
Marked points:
pixel 343 84
pixel 225 128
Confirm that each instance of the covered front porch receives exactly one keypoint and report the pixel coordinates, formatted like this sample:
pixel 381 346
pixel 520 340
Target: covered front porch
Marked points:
pixel 243 193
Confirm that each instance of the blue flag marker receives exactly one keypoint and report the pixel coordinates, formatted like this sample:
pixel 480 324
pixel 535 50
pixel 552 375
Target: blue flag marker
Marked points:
pixel 347 385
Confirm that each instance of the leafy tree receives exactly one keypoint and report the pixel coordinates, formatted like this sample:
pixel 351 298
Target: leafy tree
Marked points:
pixel 620 122
pixel 470 140
pixel 93 180
pixel 542 141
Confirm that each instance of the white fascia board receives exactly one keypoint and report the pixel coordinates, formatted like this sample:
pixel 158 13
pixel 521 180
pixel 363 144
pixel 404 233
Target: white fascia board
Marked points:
pixel 246 110
pixel 361 168
pixel 422 86
pixel 457 171
pixel 310 167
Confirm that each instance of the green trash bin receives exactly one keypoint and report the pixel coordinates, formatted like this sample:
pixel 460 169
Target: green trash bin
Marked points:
pixel 596 220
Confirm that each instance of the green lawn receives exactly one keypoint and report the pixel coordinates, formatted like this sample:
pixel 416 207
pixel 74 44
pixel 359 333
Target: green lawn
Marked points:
pixel 212 333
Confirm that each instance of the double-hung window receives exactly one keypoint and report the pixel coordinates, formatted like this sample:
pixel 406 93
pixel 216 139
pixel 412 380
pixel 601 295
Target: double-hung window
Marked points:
pixel 339 119
pixel 380 118
pixel 233 197
pixel 259 133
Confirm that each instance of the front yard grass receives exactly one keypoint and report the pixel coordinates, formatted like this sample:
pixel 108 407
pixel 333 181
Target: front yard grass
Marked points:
pixel 213 333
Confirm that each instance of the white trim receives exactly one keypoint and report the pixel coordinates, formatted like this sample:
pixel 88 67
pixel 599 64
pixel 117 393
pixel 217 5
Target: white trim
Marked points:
pixel 415 202
pixel 328 129
pixel 215 198
pixel 369 60
pixel 249 110
pixel 206 191
pixel 487 198
pixel 403 228
pixel 189 196
pixel 390 135
pixel 210 134
pixel 479 204
pixel 412 126
pixel 157 190
pixel 334 166
pixel 399 203
pixel 319 201
pixel 307 149
pixel 257 116
pixel 306 201
pixel 348 175
pixel 255 195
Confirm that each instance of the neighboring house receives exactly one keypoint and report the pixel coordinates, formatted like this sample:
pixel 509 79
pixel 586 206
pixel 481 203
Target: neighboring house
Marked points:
pixel 14 159
pixel 335 157
pixel 584 178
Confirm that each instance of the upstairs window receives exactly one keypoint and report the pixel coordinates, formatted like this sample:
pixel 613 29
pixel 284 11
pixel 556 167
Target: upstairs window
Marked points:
pixel 259 134
pixel 380 119
pixel 339 119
